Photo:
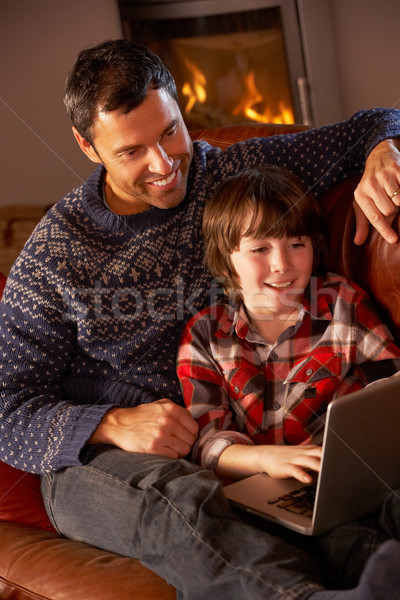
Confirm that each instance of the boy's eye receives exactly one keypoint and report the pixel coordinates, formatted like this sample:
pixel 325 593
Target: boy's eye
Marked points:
pixel 259 250
pixel 297 242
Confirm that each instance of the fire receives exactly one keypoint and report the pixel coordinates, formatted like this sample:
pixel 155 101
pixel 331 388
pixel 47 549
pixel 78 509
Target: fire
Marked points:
pixel 196 92
pixel 253 97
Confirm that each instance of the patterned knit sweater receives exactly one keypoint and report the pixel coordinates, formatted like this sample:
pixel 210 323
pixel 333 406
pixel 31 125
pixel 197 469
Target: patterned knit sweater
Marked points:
pixel 95 304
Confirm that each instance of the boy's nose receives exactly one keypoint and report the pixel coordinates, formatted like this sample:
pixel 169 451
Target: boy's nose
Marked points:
pixel 279 262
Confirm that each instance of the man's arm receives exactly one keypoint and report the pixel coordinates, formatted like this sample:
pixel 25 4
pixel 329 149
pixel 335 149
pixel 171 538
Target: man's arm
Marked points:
pixel 45 425
pixel 324 156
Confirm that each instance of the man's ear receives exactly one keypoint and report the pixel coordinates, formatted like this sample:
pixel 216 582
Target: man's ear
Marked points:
pixel 86 147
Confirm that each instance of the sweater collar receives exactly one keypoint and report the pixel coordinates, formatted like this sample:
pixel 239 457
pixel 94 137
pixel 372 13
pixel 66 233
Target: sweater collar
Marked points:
pixel 103 216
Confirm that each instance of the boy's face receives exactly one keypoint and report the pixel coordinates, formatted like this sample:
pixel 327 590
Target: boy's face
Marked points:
pixel 273 273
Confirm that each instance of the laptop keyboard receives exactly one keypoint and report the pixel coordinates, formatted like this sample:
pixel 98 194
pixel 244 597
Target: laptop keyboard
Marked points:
pixel 300 501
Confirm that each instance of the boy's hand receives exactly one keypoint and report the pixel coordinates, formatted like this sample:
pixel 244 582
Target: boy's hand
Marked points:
pixel 239 461
pixel 292 461
pixel 374 200
pixel 161 427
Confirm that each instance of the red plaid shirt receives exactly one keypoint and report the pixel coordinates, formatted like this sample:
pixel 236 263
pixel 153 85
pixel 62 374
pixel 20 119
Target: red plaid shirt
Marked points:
pixel 242 389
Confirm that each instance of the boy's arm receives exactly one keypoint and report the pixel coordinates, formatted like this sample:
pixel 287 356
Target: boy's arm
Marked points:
pixel 204 391
pixel 220 447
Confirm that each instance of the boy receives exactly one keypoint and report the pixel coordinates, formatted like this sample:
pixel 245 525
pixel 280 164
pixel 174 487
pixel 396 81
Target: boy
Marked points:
pixel 258 371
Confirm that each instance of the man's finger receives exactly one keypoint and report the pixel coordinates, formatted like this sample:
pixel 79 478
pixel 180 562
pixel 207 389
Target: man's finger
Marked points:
pixel 370 214
pixel 362 225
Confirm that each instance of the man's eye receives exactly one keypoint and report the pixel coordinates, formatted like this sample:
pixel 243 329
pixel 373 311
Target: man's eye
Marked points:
pixel 130 153
pixel 171 131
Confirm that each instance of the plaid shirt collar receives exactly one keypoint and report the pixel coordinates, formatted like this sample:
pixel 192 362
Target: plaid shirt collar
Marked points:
pixel 235 319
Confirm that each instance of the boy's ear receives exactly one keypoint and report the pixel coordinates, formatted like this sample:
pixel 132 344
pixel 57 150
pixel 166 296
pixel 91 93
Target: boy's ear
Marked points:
pixel 86 147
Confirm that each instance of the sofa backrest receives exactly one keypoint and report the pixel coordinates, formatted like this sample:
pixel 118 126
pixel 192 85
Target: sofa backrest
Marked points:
pixel 375 265
pixel 2 283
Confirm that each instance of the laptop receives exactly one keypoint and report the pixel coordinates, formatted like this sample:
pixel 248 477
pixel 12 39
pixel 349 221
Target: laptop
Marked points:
pixel 360 465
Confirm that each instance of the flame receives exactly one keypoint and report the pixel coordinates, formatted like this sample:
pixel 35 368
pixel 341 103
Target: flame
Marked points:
pixel 252 97
pixel 196 92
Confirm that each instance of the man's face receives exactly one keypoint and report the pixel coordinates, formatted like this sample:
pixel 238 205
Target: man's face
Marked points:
pixel 147 154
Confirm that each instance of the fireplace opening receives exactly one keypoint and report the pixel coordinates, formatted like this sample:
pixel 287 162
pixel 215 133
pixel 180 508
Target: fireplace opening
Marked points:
pixel 229 68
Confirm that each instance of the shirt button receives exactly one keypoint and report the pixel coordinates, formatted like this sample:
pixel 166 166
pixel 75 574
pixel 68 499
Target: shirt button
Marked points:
pixel 309 372
pixel 237 389
pixel 276 406
pixel 274 356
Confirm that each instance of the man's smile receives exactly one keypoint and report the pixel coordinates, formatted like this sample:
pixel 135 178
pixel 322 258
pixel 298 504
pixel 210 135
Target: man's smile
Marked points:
pixel 165 182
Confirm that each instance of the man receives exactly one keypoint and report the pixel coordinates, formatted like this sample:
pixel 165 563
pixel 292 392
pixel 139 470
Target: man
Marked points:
pixel 91 319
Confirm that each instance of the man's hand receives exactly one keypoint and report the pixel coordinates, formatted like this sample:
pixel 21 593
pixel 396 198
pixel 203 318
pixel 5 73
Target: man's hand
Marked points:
pixel 160 427
pixel 381 180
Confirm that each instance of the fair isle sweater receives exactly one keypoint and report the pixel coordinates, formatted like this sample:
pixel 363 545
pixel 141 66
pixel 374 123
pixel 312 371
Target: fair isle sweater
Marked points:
pixel 94 306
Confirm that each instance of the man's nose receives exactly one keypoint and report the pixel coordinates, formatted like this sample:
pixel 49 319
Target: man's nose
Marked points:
pixel 159 161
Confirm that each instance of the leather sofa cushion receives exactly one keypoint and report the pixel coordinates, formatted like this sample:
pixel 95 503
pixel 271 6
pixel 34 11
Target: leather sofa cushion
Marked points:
pixel 20 498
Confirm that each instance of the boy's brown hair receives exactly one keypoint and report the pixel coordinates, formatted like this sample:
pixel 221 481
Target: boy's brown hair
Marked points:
pixel 279 205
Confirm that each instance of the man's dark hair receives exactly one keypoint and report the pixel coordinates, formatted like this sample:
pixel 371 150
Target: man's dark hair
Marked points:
pixel 115 74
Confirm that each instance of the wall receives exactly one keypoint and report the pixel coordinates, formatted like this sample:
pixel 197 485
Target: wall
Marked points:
pixel 366 37
pixel 39 41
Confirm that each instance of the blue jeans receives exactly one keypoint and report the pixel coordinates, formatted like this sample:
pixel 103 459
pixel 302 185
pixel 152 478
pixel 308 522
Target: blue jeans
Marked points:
pixel 173 516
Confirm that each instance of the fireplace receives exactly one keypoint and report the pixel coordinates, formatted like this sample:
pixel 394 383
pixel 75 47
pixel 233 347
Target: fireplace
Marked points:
pixel 231 65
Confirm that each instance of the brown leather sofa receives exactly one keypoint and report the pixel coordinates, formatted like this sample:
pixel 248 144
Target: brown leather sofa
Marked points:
pixel 38 564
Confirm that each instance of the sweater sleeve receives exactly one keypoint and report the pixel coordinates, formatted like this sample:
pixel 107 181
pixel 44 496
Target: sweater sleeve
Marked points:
pixel 44 425
pixel 320 157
